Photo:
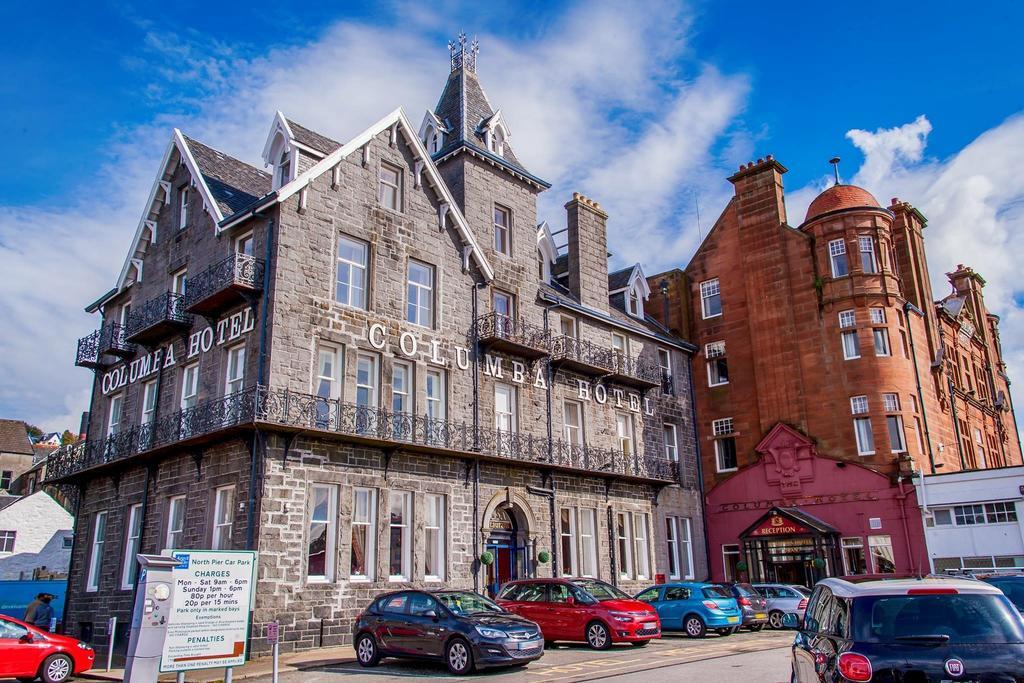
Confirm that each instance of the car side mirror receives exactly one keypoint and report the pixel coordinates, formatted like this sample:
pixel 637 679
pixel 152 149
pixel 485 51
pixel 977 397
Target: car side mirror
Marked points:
pixel 570 600
pixel 27 638
pixel 790 621
pixel 430 614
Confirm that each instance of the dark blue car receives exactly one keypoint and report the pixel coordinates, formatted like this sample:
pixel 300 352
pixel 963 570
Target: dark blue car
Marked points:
pixel 1012 586
pixel 694 608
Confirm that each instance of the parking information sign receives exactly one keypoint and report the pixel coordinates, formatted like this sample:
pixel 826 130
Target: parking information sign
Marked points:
pixel 213 591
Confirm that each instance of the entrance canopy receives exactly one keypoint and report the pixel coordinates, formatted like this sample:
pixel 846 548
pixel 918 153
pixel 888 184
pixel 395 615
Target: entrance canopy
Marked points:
pixel 788 545
pixel 787 522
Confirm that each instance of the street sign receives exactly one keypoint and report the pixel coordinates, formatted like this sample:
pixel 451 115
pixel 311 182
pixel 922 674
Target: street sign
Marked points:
pixel 207 627
pixel 273 633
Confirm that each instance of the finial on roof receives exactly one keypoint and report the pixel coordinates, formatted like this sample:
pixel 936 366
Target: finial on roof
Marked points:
pixel 835 167
pixel 460 56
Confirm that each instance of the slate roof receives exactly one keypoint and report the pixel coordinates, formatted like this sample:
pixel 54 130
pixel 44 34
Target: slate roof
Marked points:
pixel 233 183
pixel 14 438
pixel 310 138
pixel 464 109
pixel 953 304
pixel 6 500
pixel 620 278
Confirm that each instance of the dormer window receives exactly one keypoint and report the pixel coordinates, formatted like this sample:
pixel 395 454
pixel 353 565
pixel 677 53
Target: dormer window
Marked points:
pixel 634 292
pixel 499 141
pixel 432 140
pixel 633 304
pixel 284 168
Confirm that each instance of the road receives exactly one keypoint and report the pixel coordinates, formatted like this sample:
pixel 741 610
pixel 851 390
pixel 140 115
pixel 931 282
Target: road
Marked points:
pixel 744 657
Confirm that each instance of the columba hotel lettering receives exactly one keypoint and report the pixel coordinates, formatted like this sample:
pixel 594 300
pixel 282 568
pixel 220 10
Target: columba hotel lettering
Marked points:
pixel 376 365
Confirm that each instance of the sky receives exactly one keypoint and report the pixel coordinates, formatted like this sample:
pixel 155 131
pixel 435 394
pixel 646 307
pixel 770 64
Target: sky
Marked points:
pixel 646 107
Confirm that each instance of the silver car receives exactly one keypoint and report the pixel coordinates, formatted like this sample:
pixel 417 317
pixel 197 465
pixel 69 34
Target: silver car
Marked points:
pixel 783 599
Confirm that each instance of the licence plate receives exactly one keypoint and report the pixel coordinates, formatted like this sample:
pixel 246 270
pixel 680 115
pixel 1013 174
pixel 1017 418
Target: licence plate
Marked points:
pixel 732 620
pixel 529 644
pixel 649 624
pixel 760 615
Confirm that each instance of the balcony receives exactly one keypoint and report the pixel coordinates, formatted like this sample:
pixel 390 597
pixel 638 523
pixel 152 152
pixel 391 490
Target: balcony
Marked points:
pixel 512 335
pixel 109 339
pixel 288 411
pixel 570 353
pixel 636 372
pixel 224 284
pixel 157 318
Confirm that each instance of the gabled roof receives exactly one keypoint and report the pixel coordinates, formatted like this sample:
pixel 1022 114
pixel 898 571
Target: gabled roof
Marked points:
pixel 953 305
pixel 14 437
pixel 399 121
pixel 6 500
pixel 233 184
pixel 310 138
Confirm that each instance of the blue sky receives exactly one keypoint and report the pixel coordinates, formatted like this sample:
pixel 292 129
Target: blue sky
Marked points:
pixel 647 108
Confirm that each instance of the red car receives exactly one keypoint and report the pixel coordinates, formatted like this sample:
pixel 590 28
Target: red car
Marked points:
pixel 28 653
pixel 582 610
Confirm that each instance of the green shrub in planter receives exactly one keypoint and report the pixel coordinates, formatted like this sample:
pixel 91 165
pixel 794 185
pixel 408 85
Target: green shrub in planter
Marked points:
pixel 741 566
pixel 819 563
pixel 487 558
pixel 543 557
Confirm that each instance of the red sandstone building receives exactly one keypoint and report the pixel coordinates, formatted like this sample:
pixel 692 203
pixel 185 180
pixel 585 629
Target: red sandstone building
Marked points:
pixel 827 375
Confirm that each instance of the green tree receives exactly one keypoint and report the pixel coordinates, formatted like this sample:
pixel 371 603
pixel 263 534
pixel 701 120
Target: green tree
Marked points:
pixel 33 431
pixel 67 437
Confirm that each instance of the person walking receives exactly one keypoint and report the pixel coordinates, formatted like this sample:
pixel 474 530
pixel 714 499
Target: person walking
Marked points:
pixel 43 613
pixel 30 611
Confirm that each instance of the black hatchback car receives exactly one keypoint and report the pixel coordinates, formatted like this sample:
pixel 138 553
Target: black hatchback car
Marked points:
pixel 461 628
pixel 753 605
pixel 907 630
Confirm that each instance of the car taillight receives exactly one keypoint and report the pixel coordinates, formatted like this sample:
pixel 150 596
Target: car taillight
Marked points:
pixel 743 601
pixel 711 604
pixel 855 667
pixel 802 605
pixel 932 591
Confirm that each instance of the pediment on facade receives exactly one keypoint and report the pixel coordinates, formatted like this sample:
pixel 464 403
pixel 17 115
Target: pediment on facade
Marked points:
pixel 788 459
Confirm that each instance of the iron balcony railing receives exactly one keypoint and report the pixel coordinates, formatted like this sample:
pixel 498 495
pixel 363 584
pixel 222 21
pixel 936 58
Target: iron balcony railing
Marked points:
pixel 637 371
pixel 289 409
pixel 582 355
pixel 503 332
pixel 157 315
pixel 215 285
pixel 109 339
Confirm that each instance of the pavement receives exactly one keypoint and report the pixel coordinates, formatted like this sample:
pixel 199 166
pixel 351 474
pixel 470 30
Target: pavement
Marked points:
pixel 745 656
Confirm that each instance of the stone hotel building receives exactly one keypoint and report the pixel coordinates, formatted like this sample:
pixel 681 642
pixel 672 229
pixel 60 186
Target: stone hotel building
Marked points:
pixel 375 367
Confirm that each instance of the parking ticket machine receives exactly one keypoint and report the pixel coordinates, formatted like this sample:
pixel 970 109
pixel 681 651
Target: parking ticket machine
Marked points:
pixel 153 602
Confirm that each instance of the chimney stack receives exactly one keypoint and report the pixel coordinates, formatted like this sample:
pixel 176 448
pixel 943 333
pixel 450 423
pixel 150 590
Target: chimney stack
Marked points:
pixel 588 251
pixel 759 191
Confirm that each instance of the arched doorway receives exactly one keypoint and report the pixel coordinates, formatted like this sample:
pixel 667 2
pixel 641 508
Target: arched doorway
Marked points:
pixel 506 537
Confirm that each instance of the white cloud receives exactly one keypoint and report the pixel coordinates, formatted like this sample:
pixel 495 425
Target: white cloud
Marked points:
pixel 974 202
pixel 589 89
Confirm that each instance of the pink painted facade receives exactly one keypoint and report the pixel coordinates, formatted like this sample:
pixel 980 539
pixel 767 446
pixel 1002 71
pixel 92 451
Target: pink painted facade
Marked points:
pixel 849 517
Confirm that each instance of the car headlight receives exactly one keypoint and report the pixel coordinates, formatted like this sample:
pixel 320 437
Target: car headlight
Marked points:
pixel 491 632
pixel 84 646
pixel 621 616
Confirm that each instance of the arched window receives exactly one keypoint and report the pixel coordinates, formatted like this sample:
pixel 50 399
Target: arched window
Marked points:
pixel 633 303
pixel 499 141
pixel 284 168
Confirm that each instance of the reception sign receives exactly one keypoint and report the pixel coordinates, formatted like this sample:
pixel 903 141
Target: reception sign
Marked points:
pixel 777 525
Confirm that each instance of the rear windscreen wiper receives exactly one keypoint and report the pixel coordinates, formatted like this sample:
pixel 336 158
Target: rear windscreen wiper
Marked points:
pixel 936 638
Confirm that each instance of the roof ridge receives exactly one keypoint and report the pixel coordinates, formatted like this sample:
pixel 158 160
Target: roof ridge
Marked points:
pixel 194 141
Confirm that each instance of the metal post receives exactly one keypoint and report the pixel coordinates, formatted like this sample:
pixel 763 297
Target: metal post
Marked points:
pixel 276 653
pixel 180 678
pixel 112 628
pixel 227 674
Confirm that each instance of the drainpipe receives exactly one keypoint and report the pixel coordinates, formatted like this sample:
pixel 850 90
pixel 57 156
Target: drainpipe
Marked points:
pixel 477 530
pixel 906 527
pixel 700 469
pixel 907 308
pixel 74 546
pixel 142 522
pixel 552 506
pixel 261 369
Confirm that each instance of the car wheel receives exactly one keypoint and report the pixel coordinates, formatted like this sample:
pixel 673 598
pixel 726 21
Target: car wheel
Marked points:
pixel 775 619
pixel 694 626
pixel 734 630
pixel 56 669
pixel 756 627
pixel 640 643
pixel 724 632
pixel 458 657
pixel 366 650
pixel 598 636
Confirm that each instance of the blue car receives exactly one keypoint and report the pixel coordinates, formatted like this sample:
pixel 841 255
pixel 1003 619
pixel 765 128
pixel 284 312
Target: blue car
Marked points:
pixel 694 607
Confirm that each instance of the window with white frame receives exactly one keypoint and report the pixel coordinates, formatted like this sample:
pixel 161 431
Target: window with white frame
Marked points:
pixel 718 367
pixel 881 337
pixel 99 539
pixel 882 558
pixel 435 392
pixel 323 512
pixel 567 326
pixel 7 540
pixel 129 564
pixel 854 560
pixel 351 273
pixel 868 256
pixel 502 230
pixel 877 316
pixel 620 344
pixel 894 423
pixel 434 538
pixel 1000 512
pixel 665 363
pixel 420 294
pixel 114 414
pixel 730 560
pixel 503 304
pixel 851 345
pixel 189 386
pixel 979 447
pixel 148 402
pixel 567 542
pixel 725 444
pixel 837 258
pixel 671 442
pixel 710 299
pixel 642 551
pixel 672 540
pixel 722 426
pixel 179 281
pixel 366 380
pixel 390 187
pixel 327 384
pixel 505 408
pixel 847 319
pixel 234 380
pixel 244 244
pixel 680 552
pixel 175 522
pixel 624 432
pixel 588 542
pixel 402 389
pixel 573 422
pixel 223 517
pixel 6 479
pixel 862 425
pixel 284 168
pixel 363 535
pixel 400 557
pixel 183 193
pixel 623 533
